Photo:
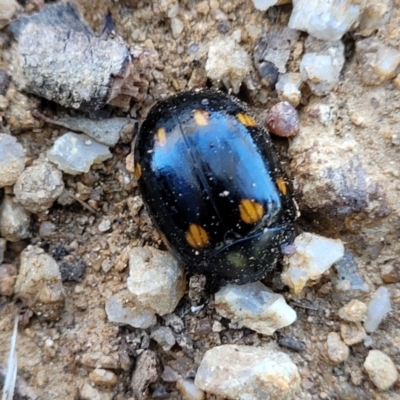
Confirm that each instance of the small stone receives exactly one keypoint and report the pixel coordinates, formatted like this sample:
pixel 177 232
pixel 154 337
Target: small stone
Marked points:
pixel 292 343
pixel 253 305
pixel 263 5
pixel 3 244
pixel 12 161
pixel 390 273
pixel 124 308
pixel 4 82
pixel 288 88
pixel 375 15
pixel 47 229
pixel 174 322
pixel 14 220
pixel 189 391
pixel 283 120
pixel 381 369
pixel 314 255
pixel 321 65
pixel 39 284
pixel 104 225
pixel 325 20
pixel 145 373
pixel 352 333
pixel 348 283
pixel 7 279
pixel 19 112
pixel 170 375
pixel 100 360
pixel 8 9
pixel 354 311
pixel 228 62
pixel 321 71
pixel 164 337
pixel 217 326
pixel 378 308
pixel 4 102
pixel 73 271
pixel 38 187
pixel 338 351
pixel 176 27
pixel 106 131
pixel 377 62
pixel 88 392
pixel 103 377
pixel 238 372
pixel 329 170
pixel 272 52
pixel 155 279
pixel 173 10
pixel 75 153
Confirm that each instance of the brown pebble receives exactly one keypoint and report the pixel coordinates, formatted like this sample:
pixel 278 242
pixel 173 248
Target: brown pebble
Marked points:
pixel 337 351
pixel 283 120
pixel 390 273
pixel 8 274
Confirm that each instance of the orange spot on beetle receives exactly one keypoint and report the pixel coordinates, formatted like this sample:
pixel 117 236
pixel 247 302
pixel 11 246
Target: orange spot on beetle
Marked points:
pixel 281 185
pixel 250 211
pixel 246 119
pixel 138 171
pixel 201 117
pixel 161 136
pixel 196 236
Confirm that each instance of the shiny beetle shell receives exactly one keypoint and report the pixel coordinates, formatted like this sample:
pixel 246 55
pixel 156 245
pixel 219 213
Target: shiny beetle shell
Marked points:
pixel 213 186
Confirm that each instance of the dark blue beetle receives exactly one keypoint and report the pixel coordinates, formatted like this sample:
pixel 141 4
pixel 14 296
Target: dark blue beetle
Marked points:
pixel 213 186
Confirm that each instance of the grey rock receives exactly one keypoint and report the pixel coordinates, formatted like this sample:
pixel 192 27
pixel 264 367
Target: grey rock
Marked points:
pixel 8 9
pixel 12 161
pixel 288 88
pixel 174 322
pixel 38 187
pixel 88 392
pixel 314 255
pixel 381 369
pixel 47 228
pixel 3 244
pixel 352 333
pixel 75 153
pixel 145 373
pixel 378 308
pixel 255 306
pixel 375 15
pixel 105 131
pixel 325 19
pixel 338 352
pixel 329 171
pixel 273 49
pixel 39 284
pixel 321 65
pixel 124 308
pixel 248 373
pixel 189 391
pixel 228 62
pixel 348 283
pixel 164 337
pixel 155 279
pixel 14 220
pixel 4 82
pixel 377 62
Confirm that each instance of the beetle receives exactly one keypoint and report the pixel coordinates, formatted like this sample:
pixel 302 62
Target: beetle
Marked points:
pixel 214 187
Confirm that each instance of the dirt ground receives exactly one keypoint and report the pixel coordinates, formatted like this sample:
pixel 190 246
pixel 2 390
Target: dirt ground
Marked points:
pixel 54 358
